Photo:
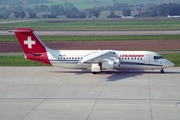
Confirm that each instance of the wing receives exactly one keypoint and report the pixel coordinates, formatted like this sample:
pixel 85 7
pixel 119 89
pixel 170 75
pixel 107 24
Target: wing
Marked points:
pixel 98 56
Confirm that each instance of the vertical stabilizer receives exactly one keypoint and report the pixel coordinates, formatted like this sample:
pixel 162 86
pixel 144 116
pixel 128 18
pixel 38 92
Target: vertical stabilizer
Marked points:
pixel 32 46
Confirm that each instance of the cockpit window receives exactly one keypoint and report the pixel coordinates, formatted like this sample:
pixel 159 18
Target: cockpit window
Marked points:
pixel 158 57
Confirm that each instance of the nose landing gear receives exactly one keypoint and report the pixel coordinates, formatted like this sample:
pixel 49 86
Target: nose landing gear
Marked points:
pixel 162 71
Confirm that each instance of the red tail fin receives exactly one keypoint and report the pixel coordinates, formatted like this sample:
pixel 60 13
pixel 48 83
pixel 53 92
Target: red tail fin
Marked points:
pixel 32 46
pixel 29 42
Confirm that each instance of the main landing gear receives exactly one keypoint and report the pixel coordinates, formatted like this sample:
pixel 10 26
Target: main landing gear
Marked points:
pixel 94 72
pixel 162 71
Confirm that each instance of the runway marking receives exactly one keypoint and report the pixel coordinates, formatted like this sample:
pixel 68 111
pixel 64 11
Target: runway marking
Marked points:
pixel 150 105
pixel 96 100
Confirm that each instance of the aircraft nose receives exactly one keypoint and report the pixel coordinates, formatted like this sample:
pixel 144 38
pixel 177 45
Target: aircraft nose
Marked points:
pixel 168 63
pixel 171 64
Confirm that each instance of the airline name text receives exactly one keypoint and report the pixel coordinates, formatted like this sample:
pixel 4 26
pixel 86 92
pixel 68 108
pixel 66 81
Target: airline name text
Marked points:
pixel 131 55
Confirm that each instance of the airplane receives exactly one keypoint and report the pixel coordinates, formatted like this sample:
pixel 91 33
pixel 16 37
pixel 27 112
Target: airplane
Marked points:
pixel 94 60
pixel 128 17
pixel 175 16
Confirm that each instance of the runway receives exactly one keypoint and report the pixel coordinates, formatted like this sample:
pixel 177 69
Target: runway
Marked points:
pixel 99 33
pixel 49 93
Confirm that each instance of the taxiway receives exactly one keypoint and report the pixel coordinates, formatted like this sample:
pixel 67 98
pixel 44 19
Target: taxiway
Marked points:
pixel 49 93
pixel 99 33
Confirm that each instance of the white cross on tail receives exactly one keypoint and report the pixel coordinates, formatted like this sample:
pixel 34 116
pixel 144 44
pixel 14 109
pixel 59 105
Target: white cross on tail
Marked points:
pixel 29 42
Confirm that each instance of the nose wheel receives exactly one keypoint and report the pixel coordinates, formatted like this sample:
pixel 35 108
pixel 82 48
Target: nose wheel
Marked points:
pixel 162 71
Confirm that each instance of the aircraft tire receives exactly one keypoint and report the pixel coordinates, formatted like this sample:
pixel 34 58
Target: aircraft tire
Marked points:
pixel 162 71
pixel 94 73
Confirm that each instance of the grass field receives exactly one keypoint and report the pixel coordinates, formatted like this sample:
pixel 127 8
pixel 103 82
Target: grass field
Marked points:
pixel 97 24
pixel 19 60
pixel 82 5
pixel 175 58
pixel 96 38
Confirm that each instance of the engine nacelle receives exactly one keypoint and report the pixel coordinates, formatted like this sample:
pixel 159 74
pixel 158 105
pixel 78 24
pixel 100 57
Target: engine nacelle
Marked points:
pixel 110 64
pixel 95 68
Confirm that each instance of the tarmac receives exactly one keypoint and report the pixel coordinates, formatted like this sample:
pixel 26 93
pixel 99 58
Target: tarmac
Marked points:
pixel 50 93
pixel 98 33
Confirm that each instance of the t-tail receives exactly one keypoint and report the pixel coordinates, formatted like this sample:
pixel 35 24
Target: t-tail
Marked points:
pixel 32 46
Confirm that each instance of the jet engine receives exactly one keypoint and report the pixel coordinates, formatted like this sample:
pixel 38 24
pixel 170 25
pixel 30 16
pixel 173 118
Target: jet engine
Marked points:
pixel 110 64
pixel 107 64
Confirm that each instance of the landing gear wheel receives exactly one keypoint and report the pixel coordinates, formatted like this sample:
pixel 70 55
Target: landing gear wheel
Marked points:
pixel 162 71
pixel 94 72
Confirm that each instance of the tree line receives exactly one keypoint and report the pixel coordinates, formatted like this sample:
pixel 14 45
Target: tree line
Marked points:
pixel 66 9
pixel 162 10
pixel 171 9
pixel 21 2
pixel 70 11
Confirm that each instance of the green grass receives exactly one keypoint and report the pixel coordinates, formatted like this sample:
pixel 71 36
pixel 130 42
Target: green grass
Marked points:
pixel 96 38
pixel 80 3
pixel 19 60
pixel 175 58
pixel 88 24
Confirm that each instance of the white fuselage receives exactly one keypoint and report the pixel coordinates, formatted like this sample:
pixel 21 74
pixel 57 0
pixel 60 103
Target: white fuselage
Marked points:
pixel 140 60
pixel 95 60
